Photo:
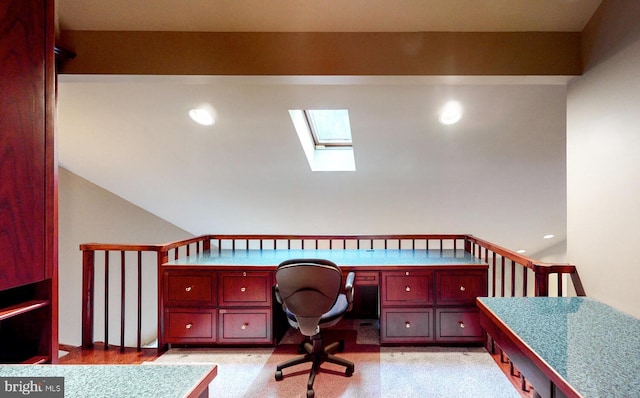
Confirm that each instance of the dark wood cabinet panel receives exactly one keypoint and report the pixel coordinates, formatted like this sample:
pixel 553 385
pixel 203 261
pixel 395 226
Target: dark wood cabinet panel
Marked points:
pixel 460 287
pixel 406 325
pixel 22 142
pixel 245 289
pixel 458 324
pixel 244 326
pixel 28 193
pixel 190 326
pixel 190 288
pixel 409 287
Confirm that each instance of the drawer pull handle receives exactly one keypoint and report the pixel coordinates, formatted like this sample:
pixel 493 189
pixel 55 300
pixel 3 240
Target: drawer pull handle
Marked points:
pixel 461 324
pixel 188 326
pixel 406 273
pixel 407 325
pixel 244 326
pixel 244 274
pixel 243 289
pixel 462 288
pixel 188 288
pixel 408 288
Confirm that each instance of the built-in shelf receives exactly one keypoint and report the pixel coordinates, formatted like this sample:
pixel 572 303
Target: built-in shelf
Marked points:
pixel 27 306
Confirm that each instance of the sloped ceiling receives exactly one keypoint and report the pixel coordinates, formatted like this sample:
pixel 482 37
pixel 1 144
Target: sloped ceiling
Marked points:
pixel 498 174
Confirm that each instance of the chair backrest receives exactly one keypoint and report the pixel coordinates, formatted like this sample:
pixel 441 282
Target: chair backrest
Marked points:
pixel 308 288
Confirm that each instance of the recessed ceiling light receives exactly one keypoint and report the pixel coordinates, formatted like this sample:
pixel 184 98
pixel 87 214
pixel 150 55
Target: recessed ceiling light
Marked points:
pixel 521 251
pixel 201 116
pixel 451 113
pixel 548 236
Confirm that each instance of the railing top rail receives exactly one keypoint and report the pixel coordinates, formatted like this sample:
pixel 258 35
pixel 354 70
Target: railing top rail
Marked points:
pixel 523 260
pixel 119 246
pixel 340 237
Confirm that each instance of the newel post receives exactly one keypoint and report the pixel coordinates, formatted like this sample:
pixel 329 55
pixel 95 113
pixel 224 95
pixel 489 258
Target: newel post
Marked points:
pixel 542 280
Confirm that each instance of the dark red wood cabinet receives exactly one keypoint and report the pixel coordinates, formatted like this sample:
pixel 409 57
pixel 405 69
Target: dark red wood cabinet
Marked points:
pixel 28 222
pixel 431 306
pixel 217 307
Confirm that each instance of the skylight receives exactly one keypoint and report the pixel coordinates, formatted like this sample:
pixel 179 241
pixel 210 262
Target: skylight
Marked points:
pixel 329 127
pixel 325 136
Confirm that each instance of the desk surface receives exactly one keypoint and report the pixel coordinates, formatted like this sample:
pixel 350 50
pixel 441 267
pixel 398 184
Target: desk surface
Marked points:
pixel 592 346
pixel 152 381
pixel 349 258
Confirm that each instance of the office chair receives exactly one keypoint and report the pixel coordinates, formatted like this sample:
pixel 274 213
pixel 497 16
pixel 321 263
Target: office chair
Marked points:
pixel 309 291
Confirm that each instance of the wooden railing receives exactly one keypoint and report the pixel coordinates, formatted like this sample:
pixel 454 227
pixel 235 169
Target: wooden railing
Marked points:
pixel 510 274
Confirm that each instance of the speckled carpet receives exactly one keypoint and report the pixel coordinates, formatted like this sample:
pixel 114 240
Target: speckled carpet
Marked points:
pixel 438 372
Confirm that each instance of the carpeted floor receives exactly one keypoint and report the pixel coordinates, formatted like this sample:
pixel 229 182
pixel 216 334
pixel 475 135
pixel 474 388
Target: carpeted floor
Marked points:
pixel 438 372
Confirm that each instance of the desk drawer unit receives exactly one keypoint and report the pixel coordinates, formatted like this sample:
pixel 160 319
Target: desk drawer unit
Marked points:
pixel 190 289
pixel 190 326
pixel 460 287
pixel 244 326
pixel 456 318
pixel 245 289
pixel 407 288
pixel 458 324
pixel 406 325
pixel 244 302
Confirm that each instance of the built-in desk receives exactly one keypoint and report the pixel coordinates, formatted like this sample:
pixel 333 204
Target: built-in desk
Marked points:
pixel 106 381
pixel 567 346
pixel 225 296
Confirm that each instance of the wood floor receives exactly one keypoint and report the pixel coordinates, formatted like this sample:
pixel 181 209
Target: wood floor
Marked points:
pixel 99 355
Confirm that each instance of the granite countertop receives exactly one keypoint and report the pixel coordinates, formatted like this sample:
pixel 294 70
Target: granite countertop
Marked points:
pixel 341 256
pixel 117 381
pixel 592 346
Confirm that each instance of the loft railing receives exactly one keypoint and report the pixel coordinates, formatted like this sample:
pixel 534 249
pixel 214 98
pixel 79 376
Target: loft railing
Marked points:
pixel 116 265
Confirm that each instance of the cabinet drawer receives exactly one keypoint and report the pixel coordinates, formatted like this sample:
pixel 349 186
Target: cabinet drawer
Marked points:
pixel 364 278
pixel 406 325
pixel 245 326
pixel 460 287
pixel 190 288
pixel 458 325
pixel 400 288
pixel 245 289
pixel 183 326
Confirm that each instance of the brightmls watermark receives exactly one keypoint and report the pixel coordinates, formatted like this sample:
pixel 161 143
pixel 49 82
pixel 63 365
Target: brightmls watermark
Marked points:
pixel 39 387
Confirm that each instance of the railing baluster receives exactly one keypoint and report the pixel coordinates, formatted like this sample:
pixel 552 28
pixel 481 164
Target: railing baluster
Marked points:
pixel 106 300
pixel 139 336
pixel 122 299
pixel 524 281
pixel 513 278
pixel 493 271
pixel 502 277
pixel 559 284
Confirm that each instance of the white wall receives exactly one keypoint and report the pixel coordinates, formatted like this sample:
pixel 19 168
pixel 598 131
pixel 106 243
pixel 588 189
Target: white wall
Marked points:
pixel 603 170
pixel 88 213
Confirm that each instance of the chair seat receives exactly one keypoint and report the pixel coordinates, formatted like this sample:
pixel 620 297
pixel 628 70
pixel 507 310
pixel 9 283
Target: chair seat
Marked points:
pixel 334 314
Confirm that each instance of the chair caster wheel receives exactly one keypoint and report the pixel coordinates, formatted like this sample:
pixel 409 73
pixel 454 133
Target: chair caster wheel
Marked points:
pixel 278 375
pixel 310 394
pixel 349 371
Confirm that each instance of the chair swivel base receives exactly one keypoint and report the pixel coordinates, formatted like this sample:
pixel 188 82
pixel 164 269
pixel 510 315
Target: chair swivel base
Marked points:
pixel 317 354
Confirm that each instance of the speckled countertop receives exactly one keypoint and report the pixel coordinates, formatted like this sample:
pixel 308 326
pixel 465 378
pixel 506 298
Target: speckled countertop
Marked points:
pixel 341 257
pixel 593 346
pixel 118 381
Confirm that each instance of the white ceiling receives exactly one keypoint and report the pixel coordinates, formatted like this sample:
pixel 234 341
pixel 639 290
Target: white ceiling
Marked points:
pixel 499 174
